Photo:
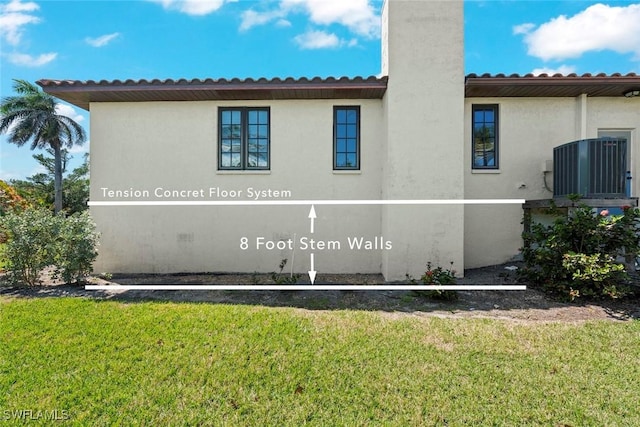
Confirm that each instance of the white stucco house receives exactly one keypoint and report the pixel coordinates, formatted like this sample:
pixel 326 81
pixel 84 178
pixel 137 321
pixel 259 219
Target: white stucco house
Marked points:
pixel 422 130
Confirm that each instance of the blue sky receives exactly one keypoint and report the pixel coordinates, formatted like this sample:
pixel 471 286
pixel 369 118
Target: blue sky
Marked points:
pixel 279 38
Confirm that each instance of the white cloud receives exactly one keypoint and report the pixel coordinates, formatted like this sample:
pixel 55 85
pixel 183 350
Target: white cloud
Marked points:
pixel 191 7
pixel 27 60
pixel 251 18
pixel 563 69
pixel 200 7
pixel 599 27
pixel 357 15
pixel 80 149
pixel 13 18
pixel 523 28
pixel 317 40
pixel 102 40
pixel 68 111
pixel 18 6
pixel 322 40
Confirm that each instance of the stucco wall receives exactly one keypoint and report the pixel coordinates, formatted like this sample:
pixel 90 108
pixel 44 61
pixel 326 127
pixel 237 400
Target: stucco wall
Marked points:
pixel 529 130
pixel 415 144
pixel 173 145
pixel 412 143
pixel 423 107
pixel 618 114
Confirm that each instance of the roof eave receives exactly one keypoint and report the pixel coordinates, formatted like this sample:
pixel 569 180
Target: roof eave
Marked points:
pixel 82 94
pixel 550 86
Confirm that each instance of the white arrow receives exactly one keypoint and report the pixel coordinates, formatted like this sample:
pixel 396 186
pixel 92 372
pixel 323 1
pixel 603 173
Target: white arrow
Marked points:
pixel 312 217
pixel 312 272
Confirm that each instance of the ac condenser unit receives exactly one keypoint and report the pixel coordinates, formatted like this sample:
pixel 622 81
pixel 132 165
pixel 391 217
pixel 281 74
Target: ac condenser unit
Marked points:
pixel 592 168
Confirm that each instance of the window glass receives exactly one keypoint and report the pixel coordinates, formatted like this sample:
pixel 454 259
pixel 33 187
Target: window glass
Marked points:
pixel 485 136
pixel 346 138
pixel 243 141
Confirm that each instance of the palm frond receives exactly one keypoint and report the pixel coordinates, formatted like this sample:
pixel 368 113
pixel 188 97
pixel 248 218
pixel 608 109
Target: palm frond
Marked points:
pixel 32 116
pixel 74 133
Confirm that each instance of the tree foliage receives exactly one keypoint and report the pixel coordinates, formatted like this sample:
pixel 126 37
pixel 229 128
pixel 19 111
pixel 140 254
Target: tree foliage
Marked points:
pixel 39 188
pixel 31 116
pixel 10 199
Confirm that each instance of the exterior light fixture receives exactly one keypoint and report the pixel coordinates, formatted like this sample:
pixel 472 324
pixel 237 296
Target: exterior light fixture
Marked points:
pixel 632 93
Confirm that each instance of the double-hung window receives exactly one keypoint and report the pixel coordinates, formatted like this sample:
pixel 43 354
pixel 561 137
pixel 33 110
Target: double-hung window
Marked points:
pixel 346 138
pixel 485 136
pixel 243 138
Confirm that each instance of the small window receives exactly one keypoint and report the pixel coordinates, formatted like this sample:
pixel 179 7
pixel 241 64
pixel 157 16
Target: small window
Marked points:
pixel 485 136
pixel 346 138
pixel 243 138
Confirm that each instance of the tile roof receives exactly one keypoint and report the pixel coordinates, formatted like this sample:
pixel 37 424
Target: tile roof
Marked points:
pixel 82 93
pixel 543 85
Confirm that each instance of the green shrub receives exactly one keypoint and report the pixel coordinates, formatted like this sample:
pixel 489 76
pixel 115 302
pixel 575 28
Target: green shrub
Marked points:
pixel 30 243
pixel 77 247
pixel 578 254
pixel 438 276
pixel 37 239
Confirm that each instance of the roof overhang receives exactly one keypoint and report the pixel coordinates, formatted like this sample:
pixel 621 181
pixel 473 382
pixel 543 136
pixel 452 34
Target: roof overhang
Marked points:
pixel 82 93
pixel 572 85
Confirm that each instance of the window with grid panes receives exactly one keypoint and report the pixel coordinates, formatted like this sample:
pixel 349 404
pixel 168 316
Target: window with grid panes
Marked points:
pixel 485 136
pixel 243 138
pixel 346 138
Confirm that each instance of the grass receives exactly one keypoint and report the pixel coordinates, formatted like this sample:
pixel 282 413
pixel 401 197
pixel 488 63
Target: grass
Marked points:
pixel 107 362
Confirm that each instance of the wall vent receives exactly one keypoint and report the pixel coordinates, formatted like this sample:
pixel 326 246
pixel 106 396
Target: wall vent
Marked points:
pixel 593 168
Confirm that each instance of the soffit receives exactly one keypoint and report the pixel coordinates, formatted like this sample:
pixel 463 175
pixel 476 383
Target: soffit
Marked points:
pixel 544 85
pixel 82 93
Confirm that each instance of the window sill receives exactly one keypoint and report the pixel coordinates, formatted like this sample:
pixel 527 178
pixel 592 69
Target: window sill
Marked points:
pixel 243 172
pixel 485 171
pixel 347 172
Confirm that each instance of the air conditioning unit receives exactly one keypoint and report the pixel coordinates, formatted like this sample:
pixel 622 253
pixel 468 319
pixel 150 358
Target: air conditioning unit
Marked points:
pixel 593 168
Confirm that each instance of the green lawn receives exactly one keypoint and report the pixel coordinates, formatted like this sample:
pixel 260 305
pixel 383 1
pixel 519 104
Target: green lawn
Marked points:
pixel 107 362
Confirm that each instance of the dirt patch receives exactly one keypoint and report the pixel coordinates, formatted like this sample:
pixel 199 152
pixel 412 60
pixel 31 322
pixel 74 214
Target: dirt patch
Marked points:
pixel 530 305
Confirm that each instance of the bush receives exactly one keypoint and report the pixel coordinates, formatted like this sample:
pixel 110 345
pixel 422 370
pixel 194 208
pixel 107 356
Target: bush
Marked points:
pixel 77 247
pixel 30 243
pixel 38 239
pixel 578 254
pixel 438 276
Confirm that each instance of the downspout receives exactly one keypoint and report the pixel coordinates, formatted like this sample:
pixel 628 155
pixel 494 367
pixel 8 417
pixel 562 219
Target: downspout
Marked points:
pixel 581 116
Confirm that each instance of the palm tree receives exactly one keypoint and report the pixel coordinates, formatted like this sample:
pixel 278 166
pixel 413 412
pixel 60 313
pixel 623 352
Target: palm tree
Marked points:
pixel 31 116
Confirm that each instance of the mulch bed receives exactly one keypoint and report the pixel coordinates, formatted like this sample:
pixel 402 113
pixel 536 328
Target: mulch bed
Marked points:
pixel 530 305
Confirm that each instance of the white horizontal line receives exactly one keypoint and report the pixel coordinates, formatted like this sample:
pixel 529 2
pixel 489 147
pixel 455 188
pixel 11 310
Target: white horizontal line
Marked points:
pixel 304 288
pixel 303 202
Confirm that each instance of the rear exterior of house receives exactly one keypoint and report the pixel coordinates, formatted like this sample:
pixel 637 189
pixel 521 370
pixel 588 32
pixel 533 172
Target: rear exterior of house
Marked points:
pixel 422 131
pixel 538 114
